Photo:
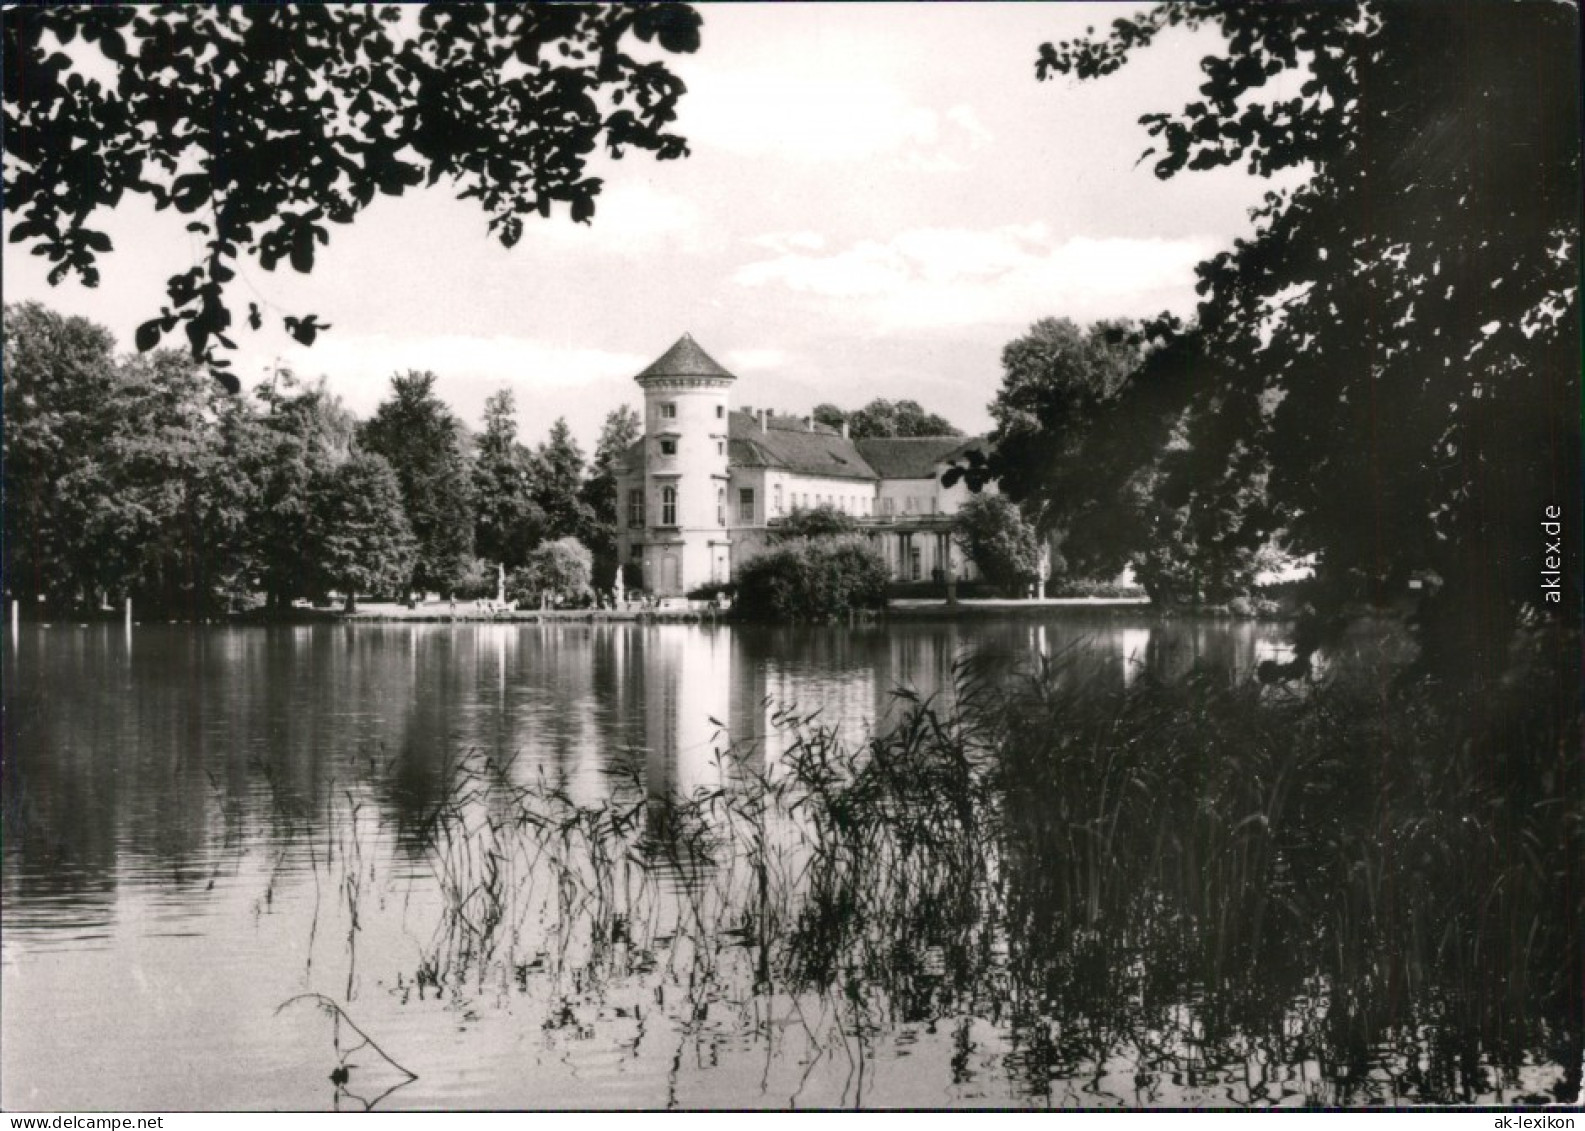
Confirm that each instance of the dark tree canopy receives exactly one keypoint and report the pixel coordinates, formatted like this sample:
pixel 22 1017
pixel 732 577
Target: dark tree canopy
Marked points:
pixel 266 124
pixel 507 521
pixel 1387 370
pixel 304 433
pixel 358 537
pixel 119 474
pixel 622 426
pixel 420 438
pixel 995 536
pixel 558 485
pixel 1056 380
pixel 881 418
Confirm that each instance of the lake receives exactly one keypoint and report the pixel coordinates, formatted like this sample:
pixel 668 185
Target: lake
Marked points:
pixel 230 880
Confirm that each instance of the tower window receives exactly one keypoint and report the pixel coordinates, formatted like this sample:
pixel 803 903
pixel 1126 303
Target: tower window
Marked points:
pixel 668 447
pixel 720 506
pixel 720 411
pixel 720 447
pixel 745 505
pixel 668 506
pixel 635 508
pixel 668 411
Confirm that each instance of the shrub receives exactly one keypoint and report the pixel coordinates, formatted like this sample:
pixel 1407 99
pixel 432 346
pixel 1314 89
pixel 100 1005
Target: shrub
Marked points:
pixel 1088 587
pixel 812 579
pixel 556 574
pixel 824 521
pixel 476 581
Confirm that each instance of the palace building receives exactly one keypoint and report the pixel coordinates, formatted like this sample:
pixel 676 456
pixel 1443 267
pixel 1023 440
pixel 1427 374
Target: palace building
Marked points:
pixel 706 486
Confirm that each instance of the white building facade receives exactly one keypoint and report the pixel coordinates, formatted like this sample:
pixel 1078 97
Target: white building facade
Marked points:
pixel 704 489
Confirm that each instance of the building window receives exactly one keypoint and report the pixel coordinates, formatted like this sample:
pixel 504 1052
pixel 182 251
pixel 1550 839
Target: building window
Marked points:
pixel 720 447
pixel 636 552
pixel 886 505
pixel 635 508
pixel 668 447
pixel 745 506
pixel 776 498
pixel 915 563
pixel 668 506
pixel 668 411
pixel 720 411
pixel 720 506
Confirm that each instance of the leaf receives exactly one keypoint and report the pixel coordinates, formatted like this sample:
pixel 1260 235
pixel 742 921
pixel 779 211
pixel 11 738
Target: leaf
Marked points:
pixel 148 335
pixel 303 250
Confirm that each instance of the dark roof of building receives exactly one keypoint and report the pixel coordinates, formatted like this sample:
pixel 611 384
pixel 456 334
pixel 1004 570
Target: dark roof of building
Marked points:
pixel 684 359
pixel 914 457
pixel 788 444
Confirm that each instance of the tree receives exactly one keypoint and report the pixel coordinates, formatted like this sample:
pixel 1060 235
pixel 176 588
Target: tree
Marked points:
pixel 556 573
pixel 268 123
pixel 1387 370
pixel 420 438
pixel 1055 381
pixel 885 418
pixel 1004 547
pixel 507 521
pixel 117 480
pixel 558 485
pixel 358 537
pixel 621 428
pixel 58 374
pixel 305 431
pixel 167 520
pixel 823 521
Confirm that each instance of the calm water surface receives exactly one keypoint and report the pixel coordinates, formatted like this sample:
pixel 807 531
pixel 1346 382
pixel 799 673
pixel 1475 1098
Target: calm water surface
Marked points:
pixel 203 824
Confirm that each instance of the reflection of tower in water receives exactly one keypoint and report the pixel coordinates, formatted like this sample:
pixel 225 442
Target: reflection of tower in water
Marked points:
pixel 687 705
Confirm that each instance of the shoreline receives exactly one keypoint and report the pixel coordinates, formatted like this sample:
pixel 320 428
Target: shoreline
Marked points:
pixel 902 610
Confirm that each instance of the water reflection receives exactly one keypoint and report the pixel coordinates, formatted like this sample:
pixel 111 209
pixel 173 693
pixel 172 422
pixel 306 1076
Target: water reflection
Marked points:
pixel 179 820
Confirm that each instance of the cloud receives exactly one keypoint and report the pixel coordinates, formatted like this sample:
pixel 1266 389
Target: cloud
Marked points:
pixel 959 276
pixel 784 242
pixel 781 114
pixel 963 115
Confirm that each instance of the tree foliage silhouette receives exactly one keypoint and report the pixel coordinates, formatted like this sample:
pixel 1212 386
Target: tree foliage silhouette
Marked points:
pixel 269 124
pixel 1387 370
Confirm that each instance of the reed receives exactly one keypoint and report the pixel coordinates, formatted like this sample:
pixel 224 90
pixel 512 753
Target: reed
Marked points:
pixel 1341 894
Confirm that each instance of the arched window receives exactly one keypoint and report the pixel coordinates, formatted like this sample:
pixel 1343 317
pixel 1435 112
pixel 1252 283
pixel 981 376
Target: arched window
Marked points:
pixel 668 506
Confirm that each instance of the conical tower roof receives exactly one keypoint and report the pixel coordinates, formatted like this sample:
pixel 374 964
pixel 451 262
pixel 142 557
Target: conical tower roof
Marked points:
pixel 685 359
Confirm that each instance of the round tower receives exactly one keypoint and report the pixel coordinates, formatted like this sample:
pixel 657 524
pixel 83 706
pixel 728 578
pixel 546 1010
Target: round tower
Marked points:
pixel 686 410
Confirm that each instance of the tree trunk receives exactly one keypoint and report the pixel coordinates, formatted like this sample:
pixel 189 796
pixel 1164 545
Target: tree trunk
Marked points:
pixel 352 603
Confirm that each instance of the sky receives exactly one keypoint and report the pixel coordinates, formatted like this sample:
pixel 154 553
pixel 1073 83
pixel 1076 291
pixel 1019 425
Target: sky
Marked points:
pixel 879 197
